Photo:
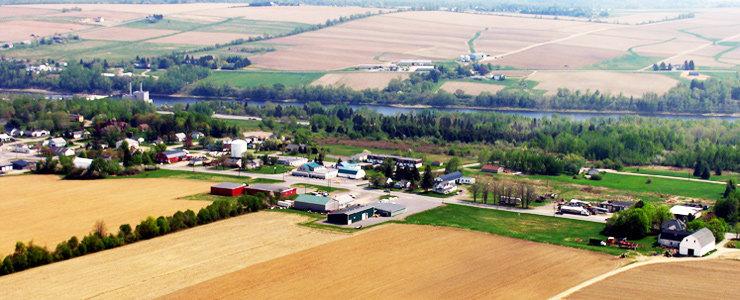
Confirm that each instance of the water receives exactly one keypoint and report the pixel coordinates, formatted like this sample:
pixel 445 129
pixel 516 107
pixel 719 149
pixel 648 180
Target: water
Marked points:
pixel 392 110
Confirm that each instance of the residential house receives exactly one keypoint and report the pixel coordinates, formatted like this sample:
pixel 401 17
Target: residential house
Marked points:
pixel 82 163
pixel 180 137
pixel 20 148
pixel 38 133
pixel 445 188
pixel 402 184
pixel 292 161
pixel 296 148
pixel 672 232
pixel 63 151
pixel 196 135
pixel 57 143
pixel 132 144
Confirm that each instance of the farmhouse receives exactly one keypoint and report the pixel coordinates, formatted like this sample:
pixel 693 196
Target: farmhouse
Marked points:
pixel 132 144
pixel 315 203
pixel 672 232
pixel 64 151
pixel 172 156
pixel 228 189
pixel 269 189
pixel 350 170
pixel 292 161
pixel 389 209
pixel 698 243
pixel 57 143
pixel 452 178
pixel 350 215
pixel 489 168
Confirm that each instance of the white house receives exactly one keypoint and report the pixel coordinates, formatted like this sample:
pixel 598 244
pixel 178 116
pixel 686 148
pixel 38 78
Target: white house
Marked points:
pixel 132 144
pixel 698 243
pixel 672 232
pixel 4 138
pixel 466 180
pixel 38 133
pixel 81 163
pixel 180 137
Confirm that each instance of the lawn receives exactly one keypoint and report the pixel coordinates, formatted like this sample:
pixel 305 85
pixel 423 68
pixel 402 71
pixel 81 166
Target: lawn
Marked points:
pixel 86 49
pixel 276 169
pixel 317 187
pixel 687 174
pixel 250 79
pixel 631 183
pixel 162 173
pixel 244 125
pixel 543 229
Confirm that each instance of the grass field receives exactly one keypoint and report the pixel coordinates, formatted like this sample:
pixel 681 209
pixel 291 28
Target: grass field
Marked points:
pixel 317 187
pixel 412 262
pixel 250 79
pixel 244 125
pixel 543 229
pixel 681 174
pixel 675 187
pixel 163 173
pixel 47 210
pixel 156 267
pixel 629 61
pixel 276 169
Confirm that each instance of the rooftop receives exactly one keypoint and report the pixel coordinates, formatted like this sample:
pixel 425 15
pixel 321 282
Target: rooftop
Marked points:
pixel 391 207
pixel 228 185
pixel 312 199
pixel 351 210
pixel 269 187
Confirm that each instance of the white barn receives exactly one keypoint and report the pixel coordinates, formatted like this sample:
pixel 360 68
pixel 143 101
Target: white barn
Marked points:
pixel 698 243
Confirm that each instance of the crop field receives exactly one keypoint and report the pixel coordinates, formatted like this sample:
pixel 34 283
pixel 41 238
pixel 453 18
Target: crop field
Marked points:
pixel 710 279
pixel 628 84
pixel 19 30
pixel 360 80
pixel 124 34
pixel 156 267
pixel 48 210
pixel 200 38
pixel 471 88
pixel 409 261
pixel 247 79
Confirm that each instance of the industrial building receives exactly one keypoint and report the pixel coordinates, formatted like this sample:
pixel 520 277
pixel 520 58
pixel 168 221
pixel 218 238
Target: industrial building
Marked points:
pixel 350 215
pixel 228 189
pixel 389 209
pixel 270 189
pixel 315 203
pixel 350 170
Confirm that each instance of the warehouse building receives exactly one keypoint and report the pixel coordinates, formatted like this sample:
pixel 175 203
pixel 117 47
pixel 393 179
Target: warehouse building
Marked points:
pixel 350 215
pixel 389 209
pixel 271 189
pixel 315 203
pixel 228 189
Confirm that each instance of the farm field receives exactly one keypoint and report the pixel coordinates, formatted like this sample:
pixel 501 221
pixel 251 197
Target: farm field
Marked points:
pixel 51 210
pixel 629 84
pixel 699 190
pixel 19 30
pixel 360 80
pixel 471 88
pixel 156 267
pixel 249 79
pixel 410 261
pixel 716 279
pixel 543 229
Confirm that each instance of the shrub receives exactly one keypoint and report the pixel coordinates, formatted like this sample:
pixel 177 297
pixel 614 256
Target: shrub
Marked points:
pixel 147 229
pixel 596 177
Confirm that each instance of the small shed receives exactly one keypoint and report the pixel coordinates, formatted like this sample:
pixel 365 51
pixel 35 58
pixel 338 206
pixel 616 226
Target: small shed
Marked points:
pixel 20 164
pixel 228 189
pixel 389 209
pixel 698 243
pixel 350 215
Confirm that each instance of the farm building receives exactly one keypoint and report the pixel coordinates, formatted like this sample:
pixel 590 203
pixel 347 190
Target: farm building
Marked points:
pixel 453 177
pixel 81 163
pixel 20 164
pixel 57 143
pixel 350 170
pixel 238 148
pixel 4 138
pixel 389 209
pixel 228 189
pixel 400 161
pixel 445 188
pixel 686 213
pixel 269 189
pixel 672 232
pixel 315 203
pixel 315 170
pixel 616 206
pixel 132 144
pixel 172 156
pixel 343 200
pixel 4 168
pixel 350 215
pixel 698 243
pixel 489 168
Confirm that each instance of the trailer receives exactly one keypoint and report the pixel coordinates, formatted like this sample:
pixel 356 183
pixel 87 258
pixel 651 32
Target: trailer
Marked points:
pixel 576 210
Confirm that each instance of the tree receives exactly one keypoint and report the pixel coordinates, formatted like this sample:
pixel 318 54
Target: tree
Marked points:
pixel 717 226
pixel 388 167
pixel 427 180
pixel 705 174
pixel 728 208
pixel 127 157
pixel 730 188
pixel 632 223
pixel 453 165
pixel 475 189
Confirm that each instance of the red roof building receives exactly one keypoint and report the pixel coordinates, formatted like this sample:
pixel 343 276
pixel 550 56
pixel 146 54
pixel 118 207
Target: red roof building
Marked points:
pixel 267 189
pixel 228 189
pixel 489 168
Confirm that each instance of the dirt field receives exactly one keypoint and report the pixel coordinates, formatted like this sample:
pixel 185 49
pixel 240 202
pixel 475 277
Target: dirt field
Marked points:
pixel 405 261
pixel 471 88
pixel 629 84
pixel 49 210
pixel 20 30
pixel 360 80
pixel 159 266
pixel 124 34
pixel 711 279
pixel 200 38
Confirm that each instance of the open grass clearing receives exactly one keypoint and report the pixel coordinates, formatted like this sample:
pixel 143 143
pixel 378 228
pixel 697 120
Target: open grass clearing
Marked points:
pixel 681 173
pixel 537 228
pixel 318 188
pixel 407 261
pixel 251 79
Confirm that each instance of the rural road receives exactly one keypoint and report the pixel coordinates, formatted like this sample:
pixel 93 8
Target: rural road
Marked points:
pixel 722 252
pixel 689 51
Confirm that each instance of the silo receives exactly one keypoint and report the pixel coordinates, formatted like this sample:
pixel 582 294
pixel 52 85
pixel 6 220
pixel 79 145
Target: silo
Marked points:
pixel 238 147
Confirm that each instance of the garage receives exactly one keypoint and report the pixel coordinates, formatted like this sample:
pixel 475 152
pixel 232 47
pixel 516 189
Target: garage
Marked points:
pixel 350 215
pixel 389 209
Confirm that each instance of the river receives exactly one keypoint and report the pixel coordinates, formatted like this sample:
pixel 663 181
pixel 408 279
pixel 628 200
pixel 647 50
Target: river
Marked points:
pixel 392 110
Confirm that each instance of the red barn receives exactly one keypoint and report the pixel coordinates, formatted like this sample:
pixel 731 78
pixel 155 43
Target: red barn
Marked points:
pixel 228 189
pixel 489 168
pixel 267 189
pixel 170 157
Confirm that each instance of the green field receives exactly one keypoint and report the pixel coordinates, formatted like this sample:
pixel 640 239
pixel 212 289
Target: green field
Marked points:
pixel 631 183
pixel 87 49
pixel 251 79
pixel 322 188
pixel 687 174
pixel 543 229
pixel 276 169
pixel 166 24
pixel 629 61
pixel 162 173
pixel 244 125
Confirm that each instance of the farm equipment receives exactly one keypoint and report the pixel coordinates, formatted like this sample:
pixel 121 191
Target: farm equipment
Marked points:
pixel 576 210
